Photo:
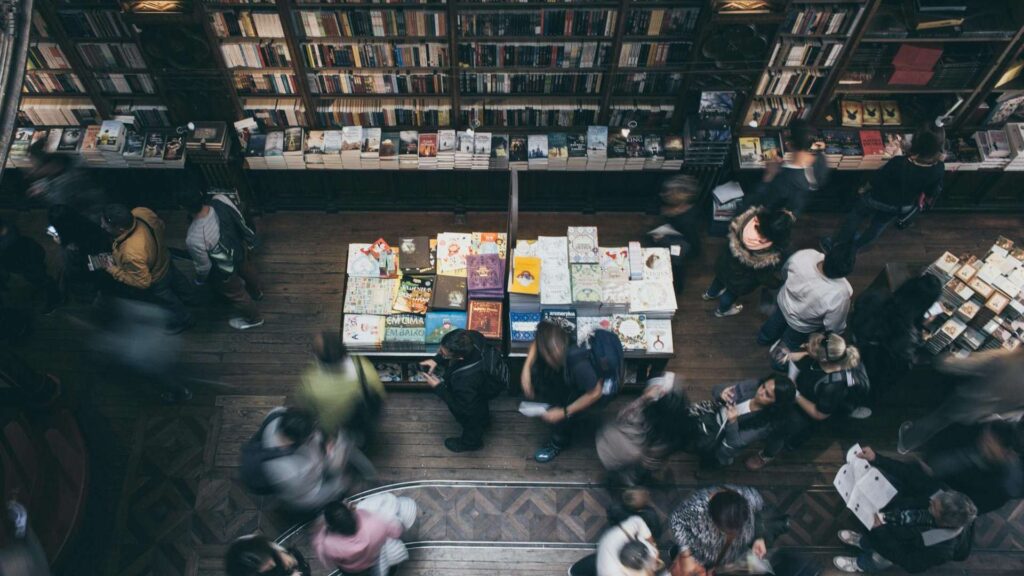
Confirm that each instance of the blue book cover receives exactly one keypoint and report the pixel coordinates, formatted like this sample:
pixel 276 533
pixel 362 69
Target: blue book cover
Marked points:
pixel 523 325
pixel 441 323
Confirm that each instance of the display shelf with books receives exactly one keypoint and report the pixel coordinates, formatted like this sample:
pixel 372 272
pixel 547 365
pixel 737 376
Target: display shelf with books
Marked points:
pixel 111 144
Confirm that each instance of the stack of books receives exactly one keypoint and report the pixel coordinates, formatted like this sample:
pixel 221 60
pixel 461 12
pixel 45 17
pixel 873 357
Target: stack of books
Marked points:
pixel 408 149
pixel 446 149
pixel 208 140
pixel 636 152
pixel 517 153
pixel 994 146
pixel 313 150
pixel 537 144
pixel 293 149
pixel 616 151
pixel 499 152
pixel 351 147
pixel 110 143
pixel 427 156
pixel 1015 135
pixel 388 154
pixel 597 147
pixel 273 151
pixel 369 154
pixel 481 151
pixel 558 151
pixel 654 152
pixel 464 146
pixel 576 143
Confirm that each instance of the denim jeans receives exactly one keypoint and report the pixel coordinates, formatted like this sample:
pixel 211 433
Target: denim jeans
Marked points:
pixel 879 218
pixel 869 560
pixel 169 292
pixel 727 299
pixel 776 327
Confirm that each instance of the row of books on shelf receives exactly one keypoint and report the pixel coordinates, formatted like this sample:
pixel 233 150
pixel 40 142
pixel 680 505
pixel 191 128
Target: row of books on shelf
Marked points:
pixel 376 23
pixel 775 111
pixel 107 55
pixel 46 55
pixel 858 113
pixel 541 55
pixel 501 83
pixel 111 144
pixel 574 22
pixel 103 24
pixel 56 112
pixel 371 148
pixel 647 84
pixel 501 113
pixel 662 21
pixel 378 83
pixel 246 23
pixel 125 83
pixel 52 83
pixel 797 53
pixel 402 112
pixel 981 306
pixel 267 83
pixel 802 82
pixel 653 54
pixel 822 20
pixel 424 55
pixel 264 54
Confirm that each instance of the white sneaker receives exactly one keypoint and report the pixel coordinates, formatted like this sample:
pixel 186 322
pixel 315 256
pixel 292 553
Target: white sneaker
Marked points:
pixel 846 564
pixel 243 324
pixel 736 309
pixel 851 538
pixel 860 413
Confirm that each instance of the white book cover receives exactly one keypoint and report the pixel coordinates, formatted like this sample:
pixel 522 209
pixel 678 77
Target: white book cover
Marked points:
pixel 452 249
pixel 585 326
pixel 659 337
pixel 361 262
pixel 863 487
pixel 616 291
pixel 615 263
pixel 651 296
pixel 657 264
pixel 362 330
pixel 555 283
pixel 583 247
pixel 352 139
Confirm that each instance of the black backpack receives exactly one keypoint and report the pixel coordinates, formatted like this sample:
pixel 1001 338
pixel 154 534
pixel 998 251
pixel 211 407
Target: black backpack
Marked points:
pixel 608 359
pixel 495 370
pixel 254 454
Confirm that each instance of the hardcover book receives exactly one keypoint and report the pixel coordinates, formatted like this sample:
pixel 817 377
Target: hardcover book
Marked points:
pixel 485 274
pixel 485 316
pixel 452 249
pixel 565 317
pixel 415 255
pixel 657 264
pixel 615 263
pixel 872 113
pixel 362 331
pixel 525 275
pixel 369 295
pixel 449 293
pixel 659 336
pixel 853 113
pixel 585 326
pixel 583 247
pixel 154 150
pixel 586 283
pixel 414 294
pixel 405 328
pixel 488 243
pixel 440 323
pixel 523 325
pixel 631 330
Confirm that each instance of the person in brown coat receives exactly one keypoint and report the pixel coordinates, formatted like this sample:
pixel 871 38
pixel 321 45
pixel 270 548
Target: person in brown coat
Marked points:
pixel 758 239
pixel 142 262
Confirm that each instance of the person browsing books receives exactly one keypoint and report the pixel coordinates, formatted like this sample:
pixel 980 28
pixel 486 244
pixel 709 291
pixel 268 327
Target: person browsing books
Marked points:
pixel 740 415
pixel 896 191
pixel 463 385
pixel 788 185
pixel 559 373
pixel 924 526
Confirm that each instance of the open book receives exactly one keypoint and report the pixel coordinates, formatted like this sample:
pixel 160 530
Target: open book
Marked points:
pixel 533 409
pixel 100 261
pixel 863 487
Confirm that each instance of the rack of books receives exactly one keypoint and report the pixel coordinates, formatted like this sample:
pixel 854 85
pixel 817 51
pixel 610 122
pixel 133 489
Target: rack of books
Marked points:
pixel 982 302
pixel 111 144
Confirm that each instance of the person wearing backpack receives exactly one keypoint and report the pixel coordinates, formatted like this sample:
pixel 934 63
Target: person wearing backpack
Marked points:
pixel 219 241
pixel 300 465
pixel 473 373
pixel 570 378
pixel 924 526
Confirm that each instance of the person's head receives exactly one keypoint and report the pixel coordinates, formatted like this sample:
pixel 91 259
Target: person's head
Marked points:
pixel 915 296
pixel 928 145
pixel 297 425
pixel 952 509
pixel 328 348
pixel 636 555
pixel 829 348
pixel 667 418
pixel 457 345
pixel 191 199
pixel 802 135
pixel 552 343
pixel 839 261
pixel 255 556
pixel 729 511
pixel 680 191
pixel 340 519
pixel 775 390
pixel 116 219
pixel 776 226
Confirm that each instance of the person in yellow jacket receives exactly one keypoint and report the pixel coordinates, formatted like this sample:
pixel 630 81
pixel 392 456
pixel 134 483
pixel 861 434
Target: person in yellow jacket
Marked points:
pixel 142 262
pixel 343 390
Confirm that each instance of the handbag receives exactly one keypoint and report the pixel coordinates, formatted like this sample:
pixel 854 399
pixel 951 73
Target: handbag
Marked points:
pixel 709 428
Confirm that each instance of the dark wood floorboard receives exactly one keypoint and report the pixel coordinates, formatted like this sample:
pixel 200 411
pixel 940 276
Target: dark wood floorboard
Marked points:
pixel 181 504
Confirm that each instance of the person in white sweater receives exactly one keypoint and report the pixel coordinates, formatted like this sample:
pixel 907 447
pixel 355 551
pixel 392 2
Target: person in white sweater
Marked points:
pixel 815 296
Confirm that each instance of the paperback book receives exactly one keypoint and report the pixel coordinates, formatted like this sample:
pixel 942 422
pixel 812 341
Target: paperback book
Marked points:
pixel 440 323
pixel 449 293
pixel 414 294
pixel 485 316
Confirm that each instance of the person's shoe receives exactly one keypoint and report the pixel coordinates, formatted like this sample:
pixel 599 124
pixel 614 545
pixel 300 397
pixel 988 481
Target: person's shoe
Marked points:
pixel 179 327
pixel 757 462
pixel 243 324
pixel 707 295
pixel 851 538
pixel 846 564
pixel 547 453
pixel 182 395
pixel 860 413
pixel 457 445
pixel 779 355
pixel 736 309
pixel 901 445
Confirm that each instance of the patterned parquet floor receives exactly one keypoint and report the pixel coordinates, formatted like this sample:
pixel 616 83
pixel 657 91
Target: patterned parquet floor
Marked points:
pixel 179 503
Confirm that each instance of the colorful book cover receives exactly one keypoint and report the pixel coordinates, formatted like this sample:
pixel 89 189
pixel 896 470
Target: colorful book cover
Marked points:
pixel 558 145
pixel 351 138
pixel 631 330
pixel 452 249
pixel 369 295
pixel 488 243
pixel 388 145
pixel 485 272
pixel 293 140
pixel 771 150
pixel 635 146
pixel 614 262
pixel 872 113
pixel 406 328
pixel 565 317
pixel 134 143
pixel 362 330
pixel 428 146
pixel 499 146
pixel 891 113
pixel 597 139
pixel 674 147
pixel 90 140
pixel 523 325
pixel 414 294
pixel 585 326
pixel 526 275
pixel 853 113
pixel 449 293
pixel 485 316
pixel 750 150
pixel 174 149
pixel 440 323
pixel 154 146
pixel 408 143
pixel 538 144
pixel 586 282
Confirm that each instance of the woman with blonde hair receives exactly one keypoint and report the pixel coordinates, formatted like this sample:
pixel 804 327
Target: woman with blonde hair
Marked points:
pixel 830 379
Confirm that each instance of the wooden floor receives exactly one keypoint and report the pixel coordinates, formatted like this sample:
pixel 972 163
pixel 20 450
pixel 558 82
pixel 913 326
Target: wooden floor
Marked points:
pixel 180 504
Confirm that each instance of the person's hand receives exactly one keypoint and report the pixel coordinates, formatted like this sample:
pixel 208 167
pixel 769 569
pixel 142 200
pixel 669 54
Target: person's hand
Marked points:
pixel 429 365
pixel 432 380
pixel 866 453
pixel 729 395
pixel 554 415
pixel 878 521
pixel 760 549
pixel 731 413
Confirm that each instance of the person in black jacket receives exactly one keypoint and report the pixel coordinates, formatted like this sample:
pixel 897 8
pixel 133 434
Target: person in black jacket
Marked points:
pixel 925 525
pixel 788 185
pixel 895 190
pixel 462 386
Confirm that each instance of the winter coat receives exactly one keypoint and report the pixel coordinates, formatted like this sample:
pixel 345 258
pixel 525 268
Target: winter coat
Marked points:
pixel 693 528
pixel 743 270
pixel 311 476
pixel 462 388
pixel 140 255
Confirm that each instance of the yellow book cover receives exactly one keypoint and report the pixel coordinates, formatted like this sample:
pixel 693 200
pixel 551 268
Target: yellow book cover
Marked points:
pixel 526 276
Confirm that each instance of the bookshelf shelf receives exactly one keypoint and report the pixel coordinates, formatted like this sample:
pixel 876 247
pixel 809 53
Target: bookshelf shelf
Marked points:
pixel 937 40
pixel 537 39
pixel 899 90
